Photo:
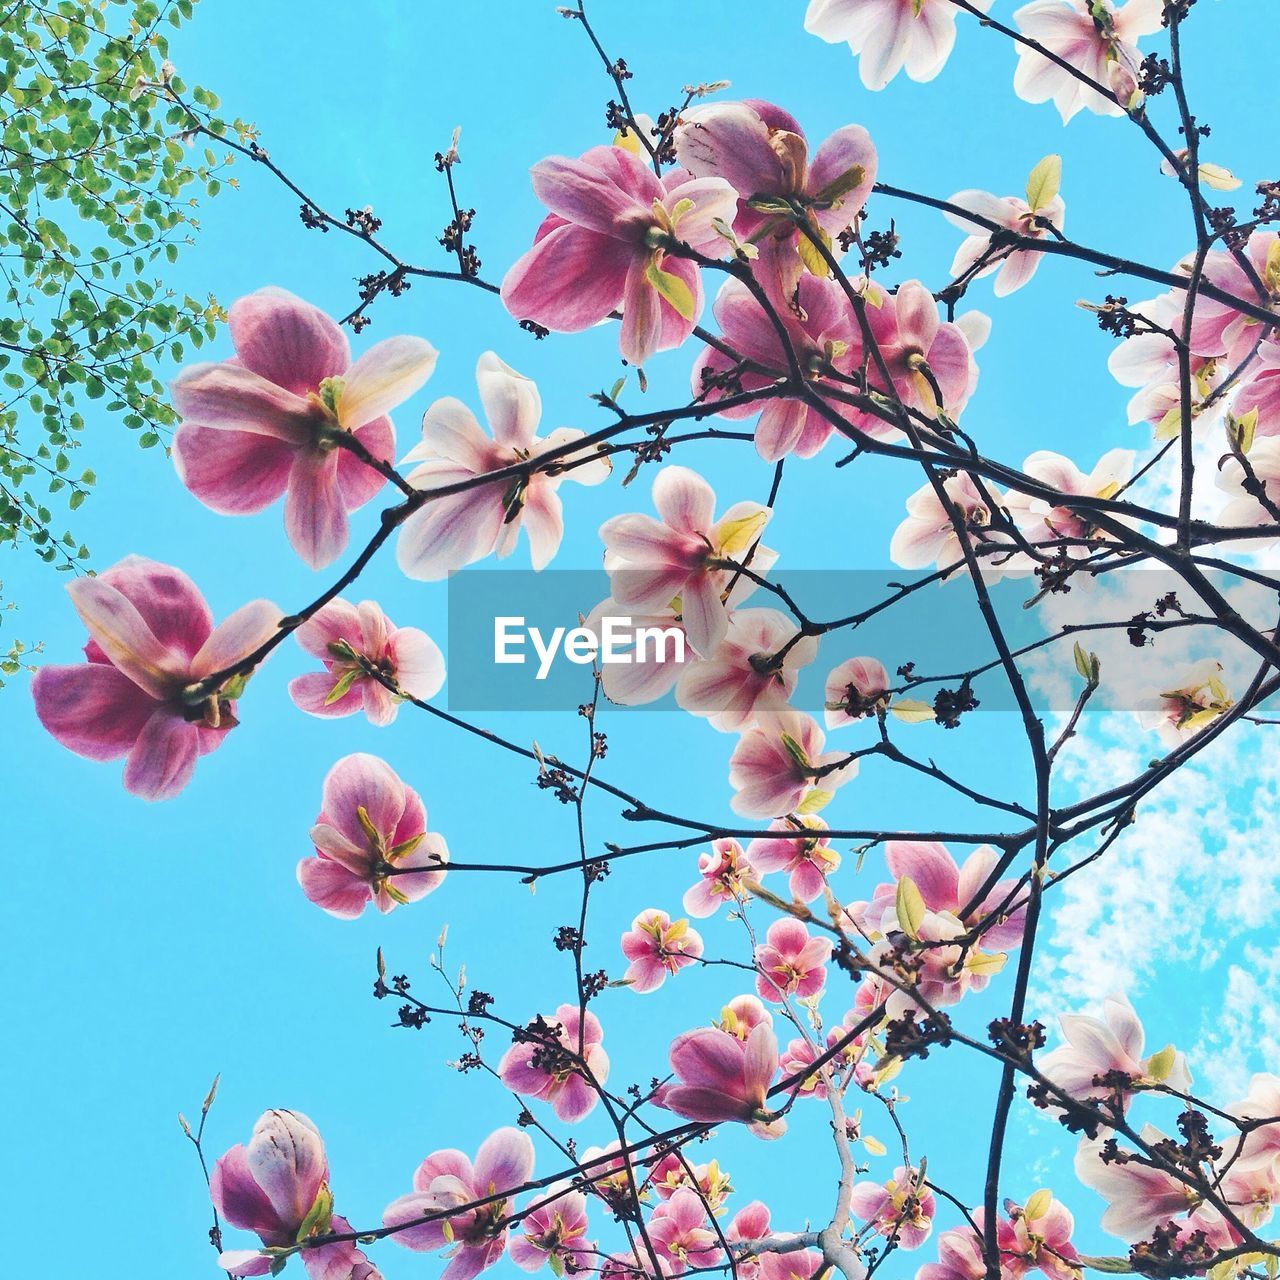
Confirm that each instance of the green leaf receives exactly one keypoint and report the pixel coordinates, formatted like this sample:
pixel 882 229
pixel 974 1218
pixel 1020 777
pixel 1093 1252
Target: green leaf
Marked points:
pixel 909 906
pixel 672 290
pixel 1043 182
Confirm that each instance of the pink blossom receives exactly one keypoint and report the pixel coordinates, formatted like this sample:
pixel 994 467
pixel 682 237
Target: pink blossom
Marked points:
pixel 722 1077
pixel 756 664
pixel 151 641
pixel 1139 1198
pixel 1217 328
pixel 761 151
pixel 1260 1148
pixel 277 1187
pixel 721 873
pixel 475 1238
pixel 608 242
pixel 340 634
pixel 791 963
pixel 655 666
pixel 1110 1047
pixel 268 421
pixel 749 1224
pixel 1097 39
pixel 1198 699
pixel 854 689
pixel 960 1255
pixel 798 1056
pixel 680 1233
pixel 1037 1236
pixel 823 336
pixel 686 554
pixel 567 1076
pixel 1042 521
pixel 808 861
pixel 888 35
pixel 658 947
pixel 372 842
pixel 742 1015
pixel 555 1231
pixel 900 1209
pixel 673 1172
pixel 780 767
pixel 928 536
pixel 1015 266
pixel 794 1264
pixel 1244 509
pixel 944 887
pixel 458 528
pixel 1260 391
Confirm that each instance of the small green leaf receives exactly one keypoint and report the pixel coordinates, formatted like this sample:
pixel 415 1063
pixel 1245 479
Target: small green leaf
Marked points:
pixel 1043 182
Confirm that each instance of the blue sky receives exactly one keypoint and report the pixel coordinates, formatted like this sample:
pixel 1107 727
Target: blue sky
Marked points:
pixel 152 946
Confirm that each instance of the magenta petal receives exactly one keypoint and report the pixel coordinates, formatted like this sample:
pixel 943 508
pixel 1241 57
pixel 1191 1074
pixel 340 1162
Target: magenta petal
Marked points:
pixel 358 481
pixel 505 1160
pixel 91 708
pixel 314 515
pixel 363 781
pixel 287 340
pixel 232 398
pixel 170 603
pixel 571 279
pixel 333 888
pixel 234 473
pixel 310 693
pixel 930 866
pixel 411 1209
pixel 163 759
pixel 238 1197
pixel 584 194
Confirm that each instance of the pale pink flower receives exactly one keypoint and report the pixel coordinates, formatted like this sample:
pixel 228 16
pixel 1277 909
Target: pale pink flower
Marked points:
pixel 1260 391
pixel 151 640
pixel 742 1015
pixel 721 873
pixel 1037 1236
pixel 823 335
pixel 742 673
pixel 341 633
pixel 789 962
pixel 673 1171
pixel 1217 328
pixel 798 1056
pixel 1110 1047
pixel 762 152
pixel 555 1231
pixel 607 244
pixel 780 767
pixel 372 842
pixel 898 1209
pixel 749 1224
pixel 655 665
pixel 1015 266
pixel 888 35
pixel 1260 1148
pixel 1198 699
pixel 808 861
pixel 267 421
pixel 795 1264
pixel 658 947
pixel 686 554
pixel 457 528
pixel 476 1238
pixel 276 1186
pixel 1244 509
pixel 1042 521
pixel 928 536
pixel 569 1081
pixel 854 689
pixel 960 1255
pixel 722 1077
pixel 681 1234
pixel 612 1179
pixel 1096 38
pixel 1139 1198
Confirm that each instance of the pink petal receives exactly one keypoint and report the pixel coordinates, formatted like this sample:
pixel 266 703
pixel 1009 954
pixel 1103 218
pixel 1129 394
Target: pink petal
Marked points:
pixel 315 517
pixel 730 140
pixel 511 401
pixel 121 633
pixel 447 533
pixel 162 760
pixel 571 279
pixel 287 340
pixel 383 377
pixel 230 397
pixel 357 481
pixel 332 887
pixel 585 194
pixel 361 780
pixel 930 866
pixel 311 691
pixel 234 473
pixel 92 709
pixel 237 637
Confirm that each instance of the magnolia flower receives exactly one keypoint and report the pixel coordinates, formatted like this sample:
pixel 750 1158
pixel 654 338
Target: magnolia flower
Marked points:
pixel 476 1238
pixel 1260 1147
pixel 278 1187
pixel 658 947
pixel 457 528
pixel 755 665
pixel 680 1233
pixel 1113 1048
pixel 1217 328
pixel 555 1232
pixel 1098 39
pixel 1014 213
pixel 900 1209
pixel 673 1171
pixel 761 151
pixel 928 534
pixel 888 35
pixel 791 963
pixel 1139 1198
pixel 796 1059
pixel 1038 1235
pixel 1259 391
pixel 808 861
pixel 855 688
pixel 687 554
pixel 723 1077
pixel 608 243
pixel 721 873
pixel 795 1264
pixel 271 420
pixel 1180 713
pixel 550 1066
pixel 151 643
pixel 372 842
pixel 960 1255
pixel 779 767
pixel 742 1015
pixel 1245 508
pixel 750 1223
pixel 340 634
pixel 823 336
pixel 1041 521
